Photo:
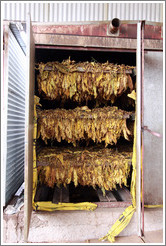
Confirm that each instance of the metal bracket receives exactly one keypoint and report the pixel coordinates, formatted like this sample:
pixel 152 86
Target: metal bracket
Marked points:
pixel 145 128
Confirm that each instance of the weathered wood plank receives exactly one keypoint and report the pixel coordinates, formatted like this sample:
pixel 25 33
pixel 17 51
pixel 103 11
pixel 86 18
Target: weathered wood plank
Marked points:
pixel 42 193
pixel 61 195
pixel 108 198
pixel 124 194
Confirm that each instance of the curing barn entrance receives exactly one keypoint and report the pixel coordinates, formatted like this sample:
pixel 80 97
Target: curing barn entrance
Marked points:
pixel 84 80
pixel 85 148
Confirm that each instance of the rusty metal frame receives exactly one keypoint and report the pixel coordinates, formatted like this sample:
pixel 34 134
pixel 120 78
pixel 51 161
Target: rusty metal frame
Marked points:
pixel 95 42
pixel 29 124
pixel 99 40
pixel 142 118
pixel 96 36
pixel 48 38
pixel 99 29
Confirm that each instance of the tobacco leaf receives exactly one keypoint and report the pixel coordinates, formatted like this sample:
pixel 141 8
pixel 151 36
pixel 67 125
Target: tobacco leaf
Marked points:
pixel 106 124
pixel 83 81
pixel 100 167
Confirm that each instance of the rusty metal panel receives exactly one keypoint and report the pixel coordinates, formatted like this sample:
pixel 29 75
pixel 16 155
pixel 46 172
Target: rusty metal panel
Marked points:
pixel 29 127
pixel 89 41
pixel 100 29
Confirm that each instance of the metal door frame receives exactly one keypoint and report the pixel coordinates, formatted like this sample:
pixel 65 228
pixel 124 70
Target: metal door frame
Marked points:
pixel 78 42
pixel 29 110
pixel 139 125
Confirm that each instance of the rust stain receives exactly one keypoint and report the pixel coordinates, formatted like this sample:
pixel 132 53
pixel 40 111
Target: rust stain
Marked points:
pixel 95 42
pixel 128 30
pixel 83 30
pixel 99 30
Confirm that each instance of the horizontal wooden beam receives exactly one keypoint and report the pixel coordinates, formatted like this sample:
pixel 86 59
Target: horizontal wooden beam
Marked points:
pixel 83 70
pixel 45 163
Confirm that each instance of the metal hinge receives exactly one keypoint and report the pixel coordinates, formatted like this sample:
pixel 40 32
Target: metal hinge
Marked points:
pixel 145 128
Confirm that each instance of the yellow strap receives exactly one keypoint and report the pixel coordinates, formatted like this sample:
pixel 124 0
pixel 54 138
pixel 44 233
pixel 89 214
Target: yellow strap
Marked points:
pixel 126 216
pixel 49 206
pixel 154 206
pixel 120 224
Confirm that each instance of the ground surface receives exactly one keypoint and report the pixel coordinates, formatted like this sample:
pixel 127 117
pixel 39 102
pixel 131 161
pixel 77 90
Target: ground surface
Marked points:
pixel 150 237
pixel 81 227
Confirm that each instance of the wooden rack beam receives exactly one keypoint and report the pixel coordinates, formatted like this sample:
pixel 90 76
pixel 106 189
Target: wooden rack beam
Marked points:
pixel 82 70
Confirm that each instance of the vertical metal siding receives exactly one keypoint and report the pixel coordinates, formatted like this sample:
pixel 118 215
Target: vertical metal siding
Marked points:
pixel 136 11
pixel 15 118
pixel 67 12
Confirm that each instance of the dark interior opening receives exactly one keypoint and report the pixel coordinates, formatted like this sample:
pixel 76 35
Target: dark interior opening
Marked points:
pixel 80 193
pixel 49 55
pixel 72 194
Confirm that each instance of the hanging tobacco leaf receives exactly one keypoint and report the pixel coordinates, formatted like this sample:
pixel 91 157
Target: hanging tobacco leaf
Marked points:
pixel 106 124
pixel 83 81
pixel 100 167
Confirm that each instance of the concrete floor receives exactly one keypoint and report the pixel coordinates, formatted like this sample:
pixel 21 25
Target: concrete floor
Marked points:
pixel 81 227
pixel 150 237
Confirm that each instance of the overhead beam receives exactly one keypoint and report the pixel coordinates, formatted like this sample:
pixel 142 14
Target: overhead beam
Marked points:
pixel 96 42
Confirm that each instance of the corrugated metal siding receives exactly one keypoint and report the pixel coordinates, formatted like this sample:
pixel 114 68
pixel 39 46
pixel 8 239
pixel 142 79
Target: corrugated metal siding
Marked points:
pixel 15 118
pixel 136 11
pixel 67 12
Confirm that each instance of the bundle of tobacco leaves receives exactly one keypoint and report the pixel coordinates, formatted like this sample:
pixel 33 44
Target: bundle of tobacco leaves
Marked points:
pixel 93 166
pixel 83 81
pixel 99 124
